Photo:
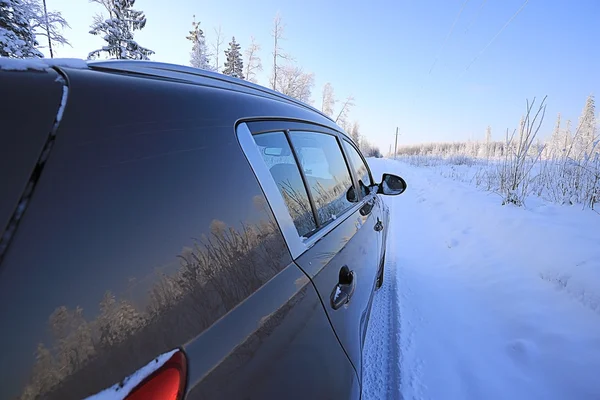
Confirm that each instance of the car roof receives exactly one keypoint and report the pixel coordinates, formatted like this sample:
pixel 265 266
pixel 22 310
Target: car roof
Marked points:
pixel 194 76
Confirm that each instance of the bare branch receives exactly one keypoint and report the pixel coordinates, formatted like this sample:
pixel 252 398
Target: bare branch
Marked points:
pixel 253 62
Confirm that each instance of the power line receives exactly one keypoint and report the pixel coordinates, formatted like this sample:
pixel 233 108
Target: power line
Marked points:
pixel 496 36
pixel 476 16
pixel 448 35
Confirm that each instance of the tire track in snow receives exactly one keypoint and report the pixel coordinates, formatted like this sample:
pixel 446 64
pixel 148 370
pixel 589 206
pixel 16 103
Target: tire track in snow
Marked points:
pixel 382 355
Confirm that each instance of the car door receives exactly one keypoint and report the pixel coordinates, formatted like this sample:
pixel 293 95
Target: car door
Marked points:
pixel 365 182
pixel 342 256
pixel 327 223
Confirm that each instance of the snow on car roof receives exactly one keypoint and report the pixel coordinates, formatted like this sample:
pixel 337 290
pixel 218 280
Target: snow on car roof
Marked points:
pixel 39 64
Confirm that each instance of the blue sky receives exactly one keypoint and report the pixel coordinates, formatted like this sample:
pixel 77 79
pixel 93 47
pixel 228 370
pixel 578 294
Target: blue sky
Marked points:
pixel 382 52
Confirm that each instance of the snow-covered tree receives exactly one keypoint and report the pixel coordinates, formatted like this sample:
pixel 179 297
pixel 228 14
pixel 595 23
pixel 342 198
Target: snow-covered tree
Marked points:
pixel 17 38
pixel 48 24
pixel 234 65
pixel 294 82
pixel 488 142
pixel 278 54
pixel 555 144
pixel 253 62
pixel 342 116
pixel 117 30
pixel 583 143
pixel 199 57
pixel 355 132
pixel 328 100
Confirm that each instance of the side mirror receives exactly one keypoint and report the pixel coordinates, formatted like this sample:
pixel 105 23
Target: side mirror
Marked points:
pixel 391 185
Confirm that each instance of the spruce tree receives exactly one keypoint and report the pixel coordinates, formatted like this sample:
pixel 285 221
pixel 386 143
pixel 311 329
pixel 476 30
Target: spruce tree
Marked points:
pixel 17 39
pixel 199 57
pixel 234 65
pixel 118 29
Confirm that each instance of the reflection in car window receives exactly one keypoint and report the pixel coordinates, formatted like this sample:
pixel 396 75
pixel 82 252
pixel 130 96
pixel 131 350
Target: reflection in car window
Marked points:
pixel 360 169
pixel 326 172
pixel 278 156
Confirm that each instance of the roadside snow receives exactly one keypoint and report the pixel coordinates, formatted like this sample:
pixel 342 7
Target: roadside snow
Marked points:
pixel 121 390
pixel 483 301
pixel 39 64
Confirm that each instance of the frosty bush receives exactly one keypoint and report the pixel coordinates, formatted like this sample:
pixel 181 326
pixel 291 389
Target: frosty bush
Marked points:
pixel 565 169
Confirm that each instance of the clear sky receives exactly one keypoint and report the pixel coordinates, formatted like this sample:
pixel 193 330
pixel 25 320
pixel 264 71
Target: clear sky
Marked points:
pixel 382 53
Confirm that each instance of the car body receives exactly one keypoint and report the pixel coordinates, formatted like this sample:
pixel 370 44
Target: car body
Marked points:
pixel 149 208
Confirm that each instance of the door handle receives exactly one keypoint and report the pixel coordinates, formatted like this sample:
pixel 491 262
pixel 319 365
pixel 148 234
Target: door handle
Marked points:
pixel 378 226
pixel 343 291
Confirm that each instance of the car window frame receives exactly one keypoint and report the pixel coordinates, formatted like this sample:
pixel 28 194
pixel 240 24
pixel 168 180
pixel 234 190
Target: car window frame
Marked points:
pixel 297 245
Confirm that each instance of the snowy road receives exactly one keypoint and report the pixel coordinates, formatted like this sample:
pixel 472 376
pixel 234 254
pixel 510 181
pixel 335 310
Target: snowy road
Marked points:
pixel 482 301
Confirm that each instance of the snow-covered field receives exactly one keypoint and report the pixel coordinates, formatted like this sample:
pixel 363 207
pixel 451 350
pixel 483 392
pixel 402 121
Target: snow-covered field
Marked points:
pixel 484 301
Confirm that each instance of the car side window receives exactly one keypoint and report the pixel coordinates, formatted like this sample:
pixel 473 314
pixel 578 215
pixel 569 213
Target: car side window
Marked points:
pixel 326 173
pixel 360 168
pixel 279 158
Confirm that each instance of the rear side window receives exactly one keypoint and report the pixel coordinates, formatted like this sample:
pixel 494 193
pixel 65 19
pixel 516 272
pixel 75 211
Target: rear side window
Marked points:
pixel 326 173
pixel 360 168
pixel 278 156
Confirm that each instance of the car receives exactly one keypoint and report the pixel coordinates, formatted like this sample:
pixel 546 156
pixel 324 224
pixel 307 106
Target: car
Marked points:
pixel 171 233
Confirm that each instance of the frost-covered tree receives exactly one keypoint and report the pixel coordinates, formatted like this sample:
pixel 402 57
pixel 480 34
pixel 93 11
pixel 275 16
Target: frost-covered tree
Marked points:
pixel 216 45
pixel 342 116
pixel 355 133
pixel 234 65
pixel 278 54
pixel 488 142
pixel 329 101
pixel 583 142
pixel 199 57
pixel 253 62
pixel 117 30
pixel 47 24
pixel 294 82
pixel 555 145
pixel 17 38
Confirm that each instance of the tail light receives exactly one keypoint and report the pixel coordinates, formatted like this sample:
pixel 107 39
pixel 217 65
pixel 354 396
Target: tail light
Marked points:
pixel 166 383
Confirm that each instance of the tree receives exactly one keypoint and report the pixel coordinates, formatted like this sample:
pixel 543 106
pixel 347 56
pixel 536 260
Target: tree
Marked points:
pixel 328 100
pixel 253 62
pixel 47 24
pixel 278 53
pixel 586 131
pixel 294 82
pixel 234 66
pixel 117 30
pixel 17 39
pixel 488 142
pixel 217 46
pixel 355 133
pixel 343 114
pixel 555 146
pixel 199 57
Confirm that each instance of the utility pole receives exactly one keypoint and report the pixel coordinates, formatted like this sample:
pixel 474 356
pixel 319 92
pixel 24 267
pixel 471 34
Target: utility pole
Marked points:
pixel 396 145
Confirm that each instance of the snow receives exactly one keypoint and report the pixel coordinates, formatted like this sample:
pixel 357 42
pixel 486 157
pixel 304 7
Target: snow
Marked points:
pixel 483 301
pixel 121 390
pixel 39 64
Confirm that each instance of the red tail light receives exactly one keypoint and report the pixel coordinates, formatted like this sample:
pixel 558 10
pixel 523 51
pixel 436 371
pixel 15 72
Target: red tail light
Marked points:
pixel 166 383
